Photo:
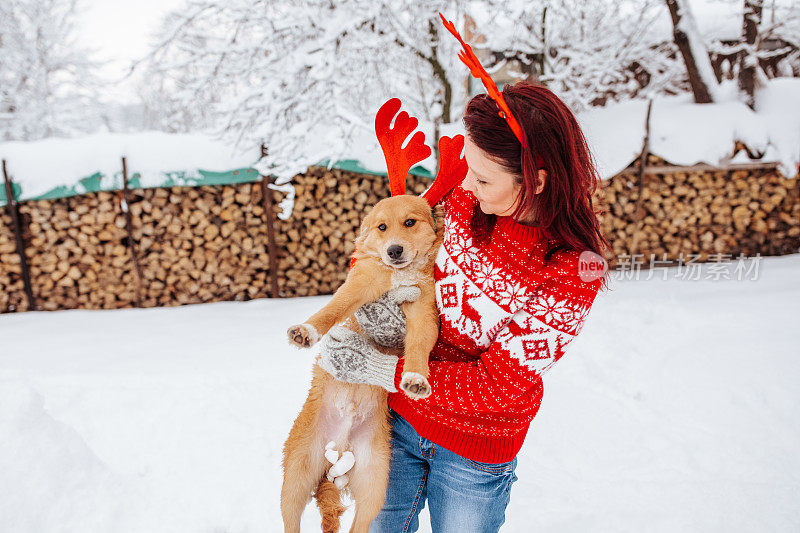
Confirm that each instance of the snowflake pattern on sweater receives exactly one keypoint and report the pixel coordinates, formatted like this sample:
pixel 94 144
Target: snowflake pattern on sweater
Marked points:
pixel 506 317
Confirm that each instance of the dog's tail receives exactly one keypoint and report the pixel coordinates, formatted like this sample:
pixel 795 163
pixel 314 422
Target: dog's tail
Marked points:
pixel 330 505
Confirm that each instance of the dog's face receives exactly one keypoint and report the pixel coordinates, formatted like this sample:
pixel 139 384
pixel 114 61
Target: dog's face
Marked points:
pixel 398 230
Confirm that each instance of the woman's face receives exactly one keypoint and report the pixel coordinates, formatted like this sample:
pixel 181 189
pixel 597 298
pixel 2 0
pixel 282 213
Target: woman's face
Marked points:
pixel 495 188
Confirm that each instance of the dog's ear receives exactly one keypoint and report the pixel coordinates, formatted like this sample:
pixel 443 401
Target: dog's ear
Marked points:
pixel 363 231
pixel 434 221
pixel 361 237
pixel 437 213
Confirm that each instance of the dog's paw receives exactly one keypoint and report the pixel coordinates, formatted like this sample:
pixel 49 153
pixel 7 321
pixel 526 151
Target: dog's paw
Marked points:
pixel 303 335
pixel 416 385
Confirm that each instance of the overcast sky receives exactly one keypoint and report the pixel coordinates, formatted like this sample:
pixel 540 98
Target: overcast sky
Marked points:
pixel 120 31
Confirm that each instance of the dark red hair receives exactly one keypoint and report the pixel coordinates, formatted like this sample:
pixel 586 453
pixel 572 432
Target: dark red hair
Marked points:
pixel 564 207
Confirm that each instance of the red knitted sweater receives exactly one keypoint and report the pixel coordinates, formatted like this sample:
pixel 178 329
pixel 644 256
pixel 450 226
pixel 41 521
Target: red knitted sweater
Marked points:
pixel 506 317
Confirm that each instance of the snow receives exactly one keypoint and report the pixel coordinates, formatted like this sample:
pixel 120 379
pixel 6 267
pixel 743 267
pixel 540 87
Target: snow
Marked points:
pixel 615 134
pixel 779 105
pixel 674 410
pixel 685 133
pixel 719 19
pixel 40 166
pixel 714 132
pixel 286 205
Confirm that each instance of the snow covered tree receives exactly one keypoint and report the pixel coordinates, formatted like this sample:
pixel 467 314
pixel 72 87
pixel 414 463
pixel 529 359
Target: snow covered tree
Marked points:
pixel 763 50
pixel 590 52
pixel 778 40
pixel 47 82
pixel 302 76
pixel 306 76
pixel 769 46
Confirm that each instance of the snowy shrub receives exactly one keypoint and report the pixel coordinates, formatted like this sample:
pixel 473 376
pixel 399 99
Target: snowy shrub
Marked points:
pixel 47 83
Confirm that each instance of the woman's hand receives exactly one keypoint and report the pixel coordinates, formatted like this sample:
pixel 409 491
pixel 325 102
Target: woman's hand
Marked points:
pixel 350 357
pixel 383 320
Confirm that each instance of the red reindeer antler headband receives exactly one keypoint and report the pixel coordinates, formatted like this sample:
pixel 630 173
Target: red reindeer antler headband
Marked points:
pixel 453 167
pixel 468 57
pixel 399 159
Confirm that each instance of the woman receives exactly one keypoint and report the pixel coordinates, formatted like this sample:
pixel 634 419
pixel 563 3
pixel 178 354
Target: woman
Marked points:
pixel 510 297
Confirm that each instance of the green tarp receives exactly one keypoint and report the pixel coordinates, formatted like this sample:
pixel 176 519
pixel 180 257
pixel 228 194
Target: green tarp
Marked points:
pixel 98 182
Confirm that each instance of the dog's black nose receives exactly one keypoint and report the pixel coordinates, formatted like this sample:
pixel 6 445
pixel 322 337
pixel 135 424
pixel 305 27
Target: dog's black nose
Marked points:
pixel 395 251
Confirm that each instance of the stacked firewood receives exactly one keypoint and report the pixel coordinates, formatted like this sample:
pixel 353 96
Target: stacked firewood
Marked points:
pixel 200 244
pixel 76 252
pixel 12 293
pixel 708 213
pixel 203 244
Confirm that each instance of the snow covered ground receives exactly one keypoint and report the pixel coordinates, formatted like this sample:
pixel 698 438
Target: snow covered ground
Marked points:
pixel 674 410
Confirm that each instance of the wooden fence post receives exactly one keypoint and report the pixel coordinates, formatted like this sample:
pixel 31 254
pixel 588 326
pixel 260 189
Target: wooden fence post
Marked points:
pixel 637 214
pixel 13 212
pixel 125 204
pixel 272 245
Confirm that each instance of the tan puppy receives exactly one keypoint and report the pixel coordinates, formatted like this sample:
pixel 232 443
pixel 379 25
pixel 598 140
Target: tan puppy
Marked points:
pixel 397 245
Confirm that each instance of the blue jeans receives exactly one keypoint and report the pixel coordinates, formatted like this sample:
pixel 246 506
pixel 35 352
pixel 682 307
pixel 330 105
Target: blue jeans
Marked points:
pixel 465 496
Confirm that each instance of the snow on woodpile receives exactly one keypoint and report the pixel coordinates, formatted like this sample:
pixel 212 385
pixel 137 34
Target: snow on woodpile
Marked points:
pixel 779 106
pixel 685 133
pixel 40 166
pixel 615 134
